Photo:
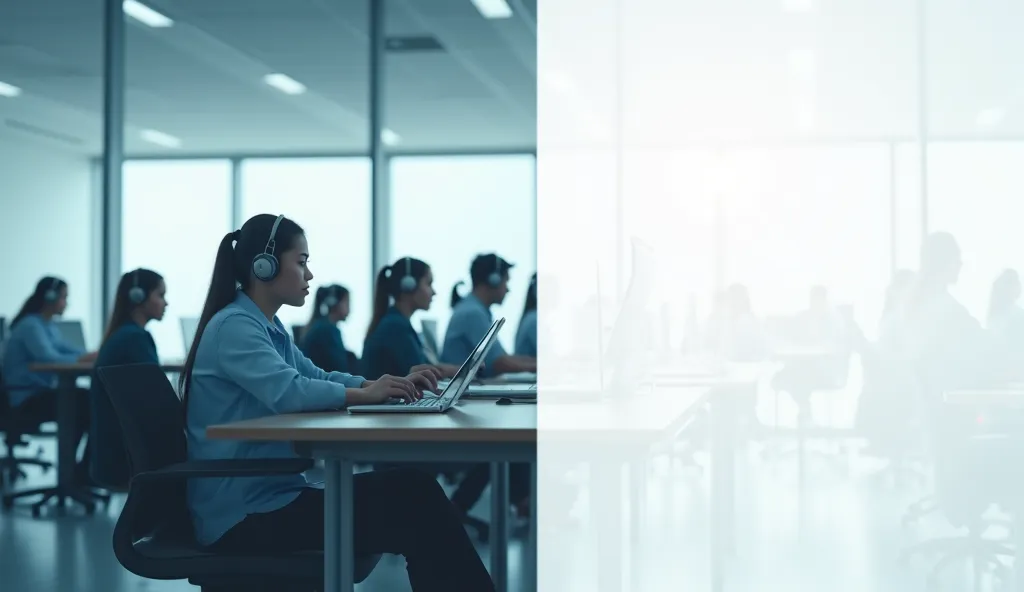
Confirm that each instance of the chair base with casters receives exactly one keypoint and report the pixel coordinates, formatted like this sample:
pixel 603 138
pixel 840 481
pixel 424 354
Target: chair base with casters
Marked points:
pixel 85 496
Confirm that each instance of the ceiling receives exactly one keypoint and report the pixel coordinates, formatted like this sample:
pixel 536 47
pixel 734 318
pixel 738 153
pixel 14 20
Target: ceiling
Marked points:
pixel 201 80
pixel 692 70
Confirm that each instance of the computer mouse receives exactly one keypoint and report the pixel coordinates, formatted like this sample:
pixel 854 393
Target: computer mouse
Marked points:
pixel 503 401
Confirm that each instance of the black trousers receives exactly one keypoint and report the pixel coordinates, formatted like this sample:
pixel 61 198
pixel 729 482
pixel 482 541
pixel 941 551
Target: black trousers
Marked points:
pixel 41 407
pixel 401 512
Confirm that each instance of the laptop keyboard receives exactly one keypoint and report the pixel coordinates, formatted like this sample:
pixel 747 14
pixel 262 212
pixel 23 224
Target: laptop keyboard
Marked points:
pixel 424 402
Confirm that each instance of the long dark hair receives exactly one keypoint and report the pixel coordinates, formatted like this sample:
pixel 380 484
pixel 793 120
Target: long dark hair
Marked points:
pixel 1005 292
pixel 531 296
pixel 233 267
pixel 146 279
pixel 37 301
pixel 389 285
pixel 327 297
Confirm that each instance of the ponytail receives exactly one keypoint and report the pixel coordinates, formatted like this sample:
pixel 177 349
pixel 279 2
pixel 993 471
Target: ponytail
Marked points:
pixel 318 305
pixel 222 290
pixel 381 298
pixel 456 297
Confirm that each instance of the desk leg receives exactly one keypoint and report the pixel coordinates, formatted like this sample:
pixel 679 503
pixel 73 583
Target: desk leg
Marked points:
pixel 67 418
pixel 606 516
pixel 530 565
pixel 499 525
pixel 722 474
pixel 339 558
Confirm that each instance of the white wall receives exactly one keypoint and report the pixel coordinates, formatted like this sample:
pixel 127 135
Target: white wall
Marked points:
pixel 50 211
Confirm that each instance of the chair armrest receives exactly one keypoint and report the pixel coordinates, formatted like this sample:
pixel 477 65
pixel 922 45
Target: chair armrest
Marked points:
pixel 227 468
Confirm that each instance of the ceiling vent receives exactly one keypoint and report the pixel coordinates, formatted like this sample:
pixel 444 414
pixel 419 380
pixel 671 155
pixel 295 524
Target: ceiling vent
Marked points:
pixel 413 43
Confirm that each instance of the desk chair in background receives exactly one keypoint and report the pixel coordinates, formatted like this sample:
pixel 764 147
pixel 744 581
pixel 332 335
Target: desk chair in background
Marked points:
pixel 153 537
pixel 15 430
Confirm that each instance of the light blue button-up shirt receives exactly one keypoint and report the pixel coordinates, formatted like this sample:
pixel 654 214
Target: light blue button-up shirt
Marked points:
pixel 468 325
pixel 34 340
pixel 247 367
pixel 526 335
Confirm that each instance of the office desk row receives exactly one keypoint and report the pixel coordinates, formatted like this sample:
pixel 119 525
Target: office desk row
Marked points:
pixel 622 431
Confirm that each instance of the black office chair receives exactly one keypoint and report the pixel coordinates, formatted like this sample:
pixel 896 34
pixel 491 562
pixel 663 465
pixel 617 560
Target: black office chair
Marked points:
pixel 153 537
pixel 16 429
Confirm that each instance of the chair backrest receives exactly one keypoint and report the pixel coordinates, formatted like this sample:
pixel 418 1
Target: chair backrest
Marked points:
pixel 150 414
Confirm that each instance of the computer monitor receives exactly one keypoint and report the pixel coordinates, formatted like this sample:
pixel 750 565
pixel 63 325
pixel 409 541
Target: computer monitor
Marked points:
pixel 189 327
pixel 72 333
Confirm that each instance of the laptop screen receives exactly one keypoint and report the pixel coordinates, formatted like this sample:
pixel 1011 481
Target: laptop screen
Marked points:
pixel 469 367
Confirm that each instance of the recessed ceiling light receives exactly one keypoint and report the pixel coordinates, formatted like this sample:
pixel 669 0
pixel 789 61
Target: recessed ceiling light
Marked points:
pixel 146 15
pixel 798 6
pixel 285 84
pixel 493 9
pixel 160 138
pixel 9 90
pixel 989 117
pixel 389 137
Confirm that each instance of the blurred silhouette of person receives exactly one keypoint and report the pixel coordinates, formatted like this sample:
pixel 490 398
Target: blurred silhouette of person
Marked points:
pixel 1005 316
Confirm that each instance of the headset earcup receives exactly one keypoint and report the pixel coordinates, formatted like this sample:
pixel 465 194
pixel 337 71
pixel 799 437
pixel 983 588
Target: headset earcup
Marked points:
pixel 494 279
pixel 50 296
pixel 408 284
pixel 137 295
pixel 264 267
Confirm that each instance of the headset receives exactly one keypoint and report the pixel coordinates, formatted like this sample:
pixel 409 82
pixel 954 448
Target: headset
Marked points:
pixel 408 283
pixel 53 292
pixel 136 295
pixel 265 265
pixel 495 278
pixel 331 299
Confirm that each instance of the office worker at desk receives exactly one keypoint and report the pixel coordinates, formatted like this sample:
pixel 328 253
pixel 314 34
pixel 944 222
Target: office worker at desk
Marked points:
pixel 392 346
pixel 35 339
pixel 1005 316
pixel 471 317
pixel 141 297
pixel 526 334
pixel 243 365
pixel 321 342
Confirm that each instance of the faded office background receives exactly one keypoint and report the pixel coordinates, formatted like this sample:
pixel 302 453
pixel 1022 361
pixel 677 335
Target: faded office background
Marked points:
pixel 774 146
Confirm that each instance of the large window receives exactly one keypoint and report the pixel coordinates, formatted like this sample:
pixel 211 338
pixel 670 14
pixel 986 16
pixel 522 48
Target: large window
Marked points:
pixel 447 209
pixel 174 215
pixel 330 199
pixel 974 192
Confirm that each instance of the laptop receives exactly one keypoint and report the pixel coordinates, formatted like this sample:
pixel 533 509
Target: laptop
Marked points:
pixel 452 392
pixel 72 333
pixel 430 343
pixel 189 326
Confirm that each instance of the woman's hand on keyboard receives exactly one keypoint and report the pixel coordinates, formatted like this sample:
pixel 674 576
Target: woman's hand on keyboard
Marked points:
pixel 425 377
pixel 380 391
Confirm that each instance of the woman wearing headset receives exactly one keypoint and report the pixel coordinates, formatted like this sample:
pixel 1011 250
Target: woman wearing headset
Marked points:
pixel 35 339
pixel 321 342
pixel 392 346
pixel 471 317
pixel 243 365
pixel 141 297
pixel 526 335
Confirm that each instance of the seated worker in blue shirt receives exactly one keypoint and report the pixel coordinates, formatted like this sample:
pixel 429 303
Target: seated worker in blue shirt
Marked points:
pixel 321 342
pixel 35 339
pixel 526 335
pixel 392 345
pixel 140 298
pixel 244 365
pixel 471 317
